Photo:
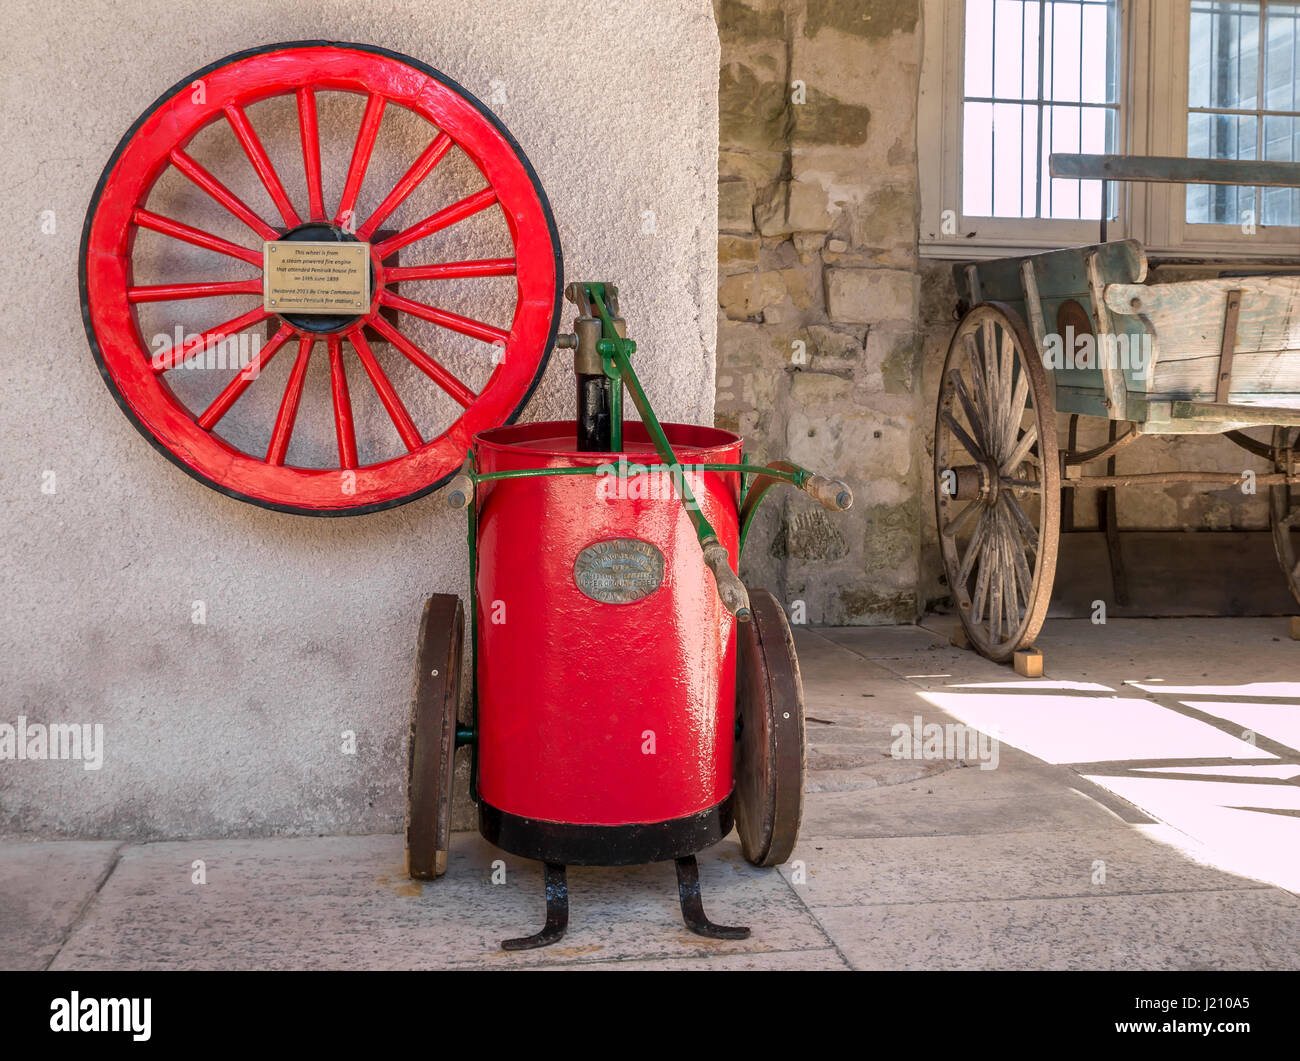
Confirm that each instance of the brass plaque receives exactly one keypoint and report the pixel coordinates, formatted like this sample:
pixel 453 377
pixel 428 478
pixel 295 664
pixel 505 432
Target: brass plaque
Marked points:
pixel 307 277
pixel 619 570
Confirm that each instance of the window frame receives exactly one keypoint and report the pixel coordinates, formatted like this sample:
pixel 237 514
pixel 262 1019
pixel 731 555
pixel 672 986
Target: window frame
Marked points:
pixel 1152 120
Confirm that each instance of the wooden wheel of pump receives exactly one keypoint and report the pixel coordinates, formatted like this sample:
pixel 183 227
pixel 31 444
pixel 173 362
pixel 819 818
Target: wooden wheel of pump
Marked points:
pixel 432 750
pixel 770 744
pixel 997 480
pixel 1284 505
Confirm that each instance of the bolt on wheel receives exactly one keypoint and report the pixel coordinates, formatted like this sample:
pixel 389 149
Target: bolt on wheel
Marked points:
pixel 195 199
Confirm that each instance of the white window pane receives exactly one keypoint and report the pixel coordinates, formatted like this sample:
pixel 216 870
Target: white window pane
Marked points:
pixel 1009 48
pixel 1282 58
pixel 977 160
pixel 979 48
pixel 1281 206
pixel 1098 85
pixel 1224 53
pixel 1067 71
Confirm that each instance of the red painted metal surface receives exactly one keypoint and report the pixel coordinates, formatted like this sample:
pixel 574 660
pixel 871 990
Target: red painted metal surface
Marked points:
pixel 387 80
pixel 569 687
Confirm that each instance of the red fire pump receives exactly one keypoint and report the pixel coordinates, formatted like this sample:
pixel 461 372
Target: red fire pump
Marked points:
pixel 630 699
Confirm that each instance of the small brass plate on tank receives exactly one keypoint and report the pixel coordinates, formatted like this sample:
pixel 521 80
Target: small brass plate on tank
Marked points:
pixel 619 570
pixel 303 277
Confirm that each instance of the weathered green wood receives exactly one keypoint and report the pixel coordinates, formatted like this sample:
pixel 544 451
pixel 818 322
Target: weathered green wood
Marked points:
pixel 1161 169
pixel 1187 318
pixel 1285 412
pixel 1060 273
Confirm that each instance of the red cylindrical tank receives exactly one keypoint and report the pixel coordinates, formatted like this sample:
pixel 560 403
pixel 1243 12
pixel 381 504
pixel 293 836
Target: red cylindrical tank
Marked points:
pixel 606 662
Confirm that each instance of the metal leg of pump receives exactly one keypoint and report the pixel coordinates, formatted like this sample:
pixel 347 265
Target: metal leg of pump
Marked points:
pixel 688 889
pixel 557 912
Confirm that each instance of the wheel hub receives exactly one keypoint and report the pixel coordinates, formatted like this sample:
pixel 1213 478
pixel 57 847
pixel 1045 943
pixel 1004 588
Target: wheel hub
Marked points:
pixel 324 232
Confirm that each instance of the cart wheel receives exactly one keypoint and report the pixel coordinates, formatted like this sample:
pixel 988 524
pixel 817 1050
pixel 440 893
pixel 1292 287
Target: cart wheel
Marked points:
pixel 432 755
pixel 1284 504
pixel 997 480
pixel 770 756
pixel 153 262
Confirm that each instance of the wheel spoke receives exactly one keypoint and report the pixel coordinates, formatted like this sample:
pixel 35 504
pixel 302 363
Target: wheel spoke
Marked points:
pixel 444 218
pixel 977 381
pixel 167 227
pixel 165 362
pixel 1016 411
pixel 1010 598
pixel 1021 451
pixel 169 292
pixel 236 387
pixel 261 163
pixel 994 552
pixel 452 270
pixel 444 318
pixel 288 414
pixel 981 586
pixel 343 428
pixel 961 519
pixel 972 550
pixel 221 194
pixel 977 425
pixel 967 442
pixel 420 169
pixel 361 157
pixel 448 382
pixel 991 376
pixel 311 152
pixel 396 410
pixel 1024 576
pixel 1003 427
pixel 1027 530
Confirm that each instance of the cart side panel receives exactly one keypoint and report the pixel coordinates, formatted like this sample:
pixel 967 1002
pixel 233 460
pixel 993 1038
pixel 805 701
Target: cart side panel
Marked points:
pixel 1062 276
pixel 1188 317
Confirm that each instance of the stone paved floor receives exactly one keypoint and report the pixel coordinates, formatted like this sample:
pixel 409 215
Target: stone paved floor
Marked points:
pixel 1144 813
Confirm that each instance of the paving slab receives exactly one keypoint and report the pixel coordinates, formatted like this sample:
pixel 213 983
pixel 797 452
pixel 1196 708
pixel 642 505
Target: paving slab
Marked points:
pixel 345 902
pixel 1195 930
pixel 1037 864
pixel 44 887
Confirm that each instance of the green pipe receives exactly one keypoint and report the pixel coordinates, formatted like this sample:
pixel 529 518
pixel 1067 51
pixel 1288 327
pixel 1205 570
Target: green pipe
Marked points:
pixel 795 478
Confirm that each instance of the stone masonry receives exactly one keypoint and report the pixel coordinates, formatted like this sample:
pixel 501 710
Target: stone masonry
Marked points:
pixel 818 288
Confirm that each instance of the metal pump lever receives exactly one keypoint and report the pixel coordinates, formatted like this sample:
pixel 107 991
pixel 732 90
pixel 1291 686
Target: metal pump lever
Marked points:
pixel 615 351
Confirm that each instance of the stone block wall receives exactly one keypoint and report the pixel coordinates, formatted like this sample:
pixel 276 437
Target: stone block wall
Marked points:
pixel 819 289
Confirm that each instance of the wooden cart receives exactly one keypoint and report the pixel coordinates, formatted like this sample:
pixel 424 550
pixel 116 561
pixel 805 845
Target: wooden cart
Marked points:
pixel 1078 332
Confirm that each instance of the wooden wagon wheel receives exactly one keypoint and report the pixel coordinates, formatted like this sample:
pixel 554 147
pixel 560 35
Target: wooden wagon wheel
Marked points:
pixel 238 439
pixel 997 480
pixel 432 754
pixel 770 749
pixel 1284 504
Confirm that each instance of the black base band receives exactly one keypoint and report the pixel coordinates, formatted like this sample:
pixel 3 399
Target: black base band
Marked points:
pixel 604 845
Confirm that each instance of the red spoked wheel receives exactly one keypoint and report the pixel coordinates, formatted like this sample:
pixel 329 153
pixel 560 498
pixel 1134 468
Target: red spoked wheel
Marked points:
pixel 192 199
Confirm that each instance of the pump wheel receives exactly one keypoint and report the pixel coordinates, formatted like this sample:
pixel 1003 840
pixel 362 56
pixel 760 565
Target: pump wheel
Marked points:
pixel 377 401
pixel 770 748
pixel 432 757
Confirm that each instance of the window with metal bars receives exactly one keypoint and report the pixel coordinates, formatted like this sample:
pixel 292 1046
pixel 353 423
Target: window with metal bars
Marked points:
pixel 1039 76
pixel 1007 83
pixel 1243 102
